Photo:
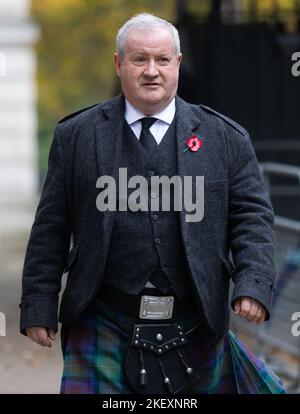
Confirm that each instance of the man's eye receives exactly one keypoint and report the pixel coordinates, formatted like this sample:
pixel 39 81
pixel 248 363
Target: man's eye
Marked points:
pixel 163 60
pixel 140 59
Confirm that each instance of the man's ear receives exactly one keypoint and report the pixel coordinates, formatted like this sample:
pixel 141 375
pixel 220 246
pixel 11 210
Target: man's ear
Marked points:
pixel 179 58
pixel 117 63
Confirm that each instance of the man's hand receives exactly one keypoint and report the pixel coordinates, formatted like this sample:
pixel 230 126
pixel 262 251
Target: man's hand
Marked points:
pixel 40 335
pixel 250 309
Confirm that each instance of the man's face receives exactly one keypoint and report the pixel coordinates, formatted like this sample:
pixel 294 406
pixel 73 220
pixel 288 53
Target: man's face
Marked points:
pixel 149 70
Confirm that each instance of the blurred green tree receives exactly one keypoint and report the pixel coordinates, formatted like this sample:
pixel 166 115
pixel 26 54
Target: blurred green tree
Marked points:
pixel 75 55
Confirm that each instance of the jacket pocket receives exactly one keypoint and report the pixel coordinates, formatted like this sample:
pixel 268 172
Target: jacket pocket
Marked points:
pixel 73 253
pixel 229 267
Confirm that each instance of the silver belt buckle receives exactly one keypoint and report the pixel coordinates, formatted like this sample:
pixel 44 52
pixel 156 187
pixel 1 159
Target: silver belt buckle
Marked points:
pixel 156 307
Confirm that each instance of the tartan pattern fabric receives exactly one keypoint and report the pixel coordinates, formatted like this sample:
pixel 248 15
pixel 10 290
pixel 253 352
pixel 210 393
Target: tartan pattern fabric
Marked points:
pixel 94 349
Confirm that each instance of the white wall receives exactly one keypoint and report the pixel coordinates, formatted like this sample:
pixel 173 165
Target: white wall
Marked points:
pixel 14 8
pixel 18 95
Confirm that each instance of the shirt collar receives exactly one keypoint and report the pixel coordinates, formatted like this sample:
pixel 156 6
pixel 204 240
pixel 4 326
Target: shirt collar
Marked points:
pixel 166 115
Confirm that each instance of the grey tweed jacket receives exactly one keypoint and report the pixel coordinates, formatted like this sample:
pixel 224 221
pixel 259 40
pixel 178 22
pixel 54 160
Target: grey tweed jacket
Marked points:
pixel 238 216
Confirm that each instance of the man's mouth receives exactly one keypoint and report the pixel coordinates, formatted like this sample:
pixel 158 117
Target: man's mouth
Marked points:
pixel 151 84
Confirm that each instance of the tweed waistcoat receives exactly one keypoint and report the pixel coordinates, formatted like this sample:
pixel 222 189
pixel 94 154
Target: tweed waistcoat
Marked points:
pixel 145 241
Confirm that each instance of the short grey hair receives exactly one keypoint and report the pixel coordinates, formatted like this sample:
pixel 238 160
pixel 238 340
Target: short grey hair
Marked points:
pixel 145 22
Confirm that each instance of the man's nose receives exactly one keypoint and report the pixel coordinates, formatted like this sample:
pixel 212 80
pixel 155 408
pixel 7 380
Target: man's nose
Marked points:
pixel 151 68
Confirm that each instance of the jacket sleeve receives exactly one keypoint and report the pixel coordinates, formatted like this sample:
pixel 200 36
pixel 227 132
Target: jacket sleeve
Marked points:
pixel 251 220
pixel 47 247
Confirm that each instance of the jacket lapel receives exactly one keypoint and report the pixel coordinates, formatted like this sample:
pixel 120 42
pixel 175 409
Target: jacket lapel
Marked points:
pixel 188 120
pixel 109 134
pixel 187 123
pixel 108 146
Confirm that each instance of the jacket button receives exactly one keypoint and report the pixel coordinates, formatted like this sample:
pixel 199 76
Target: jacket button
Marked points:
pixel 154 217
pixel 150 173
pixel 157 241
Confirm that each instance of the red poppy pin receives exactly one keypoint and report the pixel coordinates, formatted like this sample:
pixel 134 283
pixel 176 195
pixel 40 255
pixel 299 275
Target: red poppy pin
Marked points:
pixel 193 143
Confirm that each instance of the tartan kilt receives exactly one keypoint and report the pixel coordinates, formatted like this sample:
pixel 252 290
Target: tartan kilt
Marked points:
pixel 94 349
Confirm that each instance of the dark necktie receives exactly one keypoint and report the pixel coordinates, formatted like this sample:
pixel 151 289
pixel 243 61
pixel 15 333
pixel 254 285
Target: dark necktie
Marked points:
pixel 158 279
pixel 146 138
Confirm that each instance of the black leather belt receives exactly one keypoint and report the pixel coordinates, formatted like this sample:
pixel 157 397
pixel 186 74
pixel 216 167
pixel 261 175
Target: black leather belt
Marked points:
pixel 149 304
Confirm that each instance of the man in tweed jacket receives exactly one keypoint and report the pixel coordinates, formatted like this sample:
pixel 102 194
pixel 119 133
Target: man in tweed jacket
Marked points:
pixel 238 216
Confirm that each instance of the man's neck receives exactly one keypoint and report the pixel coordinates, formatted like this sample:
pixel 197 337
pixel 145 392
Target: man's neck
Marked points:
pixel 148 110
pixel 132 114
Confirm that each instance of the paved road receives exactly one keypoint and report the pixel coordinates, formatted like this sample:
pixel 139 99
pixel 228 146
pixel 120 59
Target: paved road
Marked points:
pixel 25 368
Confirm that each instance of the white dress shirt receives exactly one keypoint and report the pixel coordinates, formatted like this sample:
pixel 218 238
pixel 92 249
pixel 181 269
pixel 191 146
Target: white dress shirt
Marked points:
pixel 159 128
